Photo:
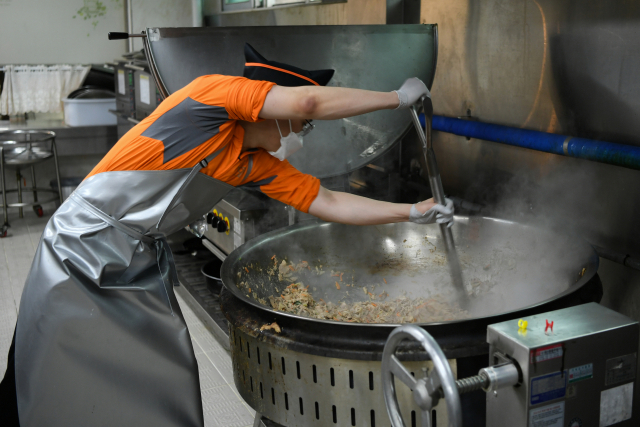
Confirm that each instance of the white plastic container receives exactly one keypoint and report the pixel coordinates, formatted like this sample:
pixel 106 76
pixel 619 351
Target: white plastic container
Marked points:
pixel 89 112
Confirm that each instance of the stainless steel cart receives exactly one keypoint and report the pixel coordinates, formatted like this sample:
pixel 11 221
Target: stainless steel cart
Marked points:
pixel 21 149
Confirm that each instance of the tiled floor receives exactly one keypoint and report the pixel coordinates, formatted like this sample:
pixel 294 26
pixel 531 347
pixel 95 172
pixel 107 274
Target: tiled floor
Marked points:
pixel 223 407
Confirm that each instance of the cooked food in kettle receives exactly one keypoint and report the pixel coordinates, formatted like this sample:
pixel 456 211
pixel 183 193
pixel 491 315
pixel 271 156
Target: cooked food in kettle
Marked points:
pixel 375 305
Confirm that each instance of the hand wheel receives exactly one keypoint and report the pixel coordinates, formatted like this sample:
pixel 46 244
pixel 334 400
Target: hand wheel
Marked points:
pixel 426 391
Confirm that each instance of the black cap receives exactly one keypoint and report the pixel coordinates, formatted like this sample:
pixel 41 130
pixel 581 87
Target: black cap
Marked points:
pixel 259 68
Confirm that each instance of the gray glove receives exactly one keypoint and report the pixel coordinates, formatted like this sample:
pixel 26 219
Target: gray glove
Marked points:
pixel 441 214
pixel 411 91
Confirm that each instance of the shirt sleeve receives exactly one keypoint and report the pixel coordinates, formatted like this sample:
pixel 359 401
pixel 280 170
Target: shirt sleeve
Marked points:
pixel 242 98
pixel 281 181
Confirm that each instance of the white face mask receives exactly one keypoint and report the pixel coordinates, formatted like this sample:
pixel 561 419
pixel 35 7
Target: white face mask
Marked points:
pixel 288 144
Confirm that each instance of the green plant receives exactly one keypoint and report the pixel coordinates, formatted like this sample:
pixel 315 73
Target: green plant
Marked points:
pixel 94 10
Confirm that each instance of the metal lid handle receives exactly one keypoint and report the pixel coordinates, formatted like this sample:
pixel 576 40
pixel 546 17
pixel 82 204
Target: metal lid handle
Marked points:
pixel 114 35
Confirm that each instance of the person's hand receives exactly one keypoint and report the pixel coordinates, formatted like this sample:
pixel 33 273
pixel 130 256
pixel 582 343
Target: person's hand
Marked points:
pixel 435 212
pixel 411 91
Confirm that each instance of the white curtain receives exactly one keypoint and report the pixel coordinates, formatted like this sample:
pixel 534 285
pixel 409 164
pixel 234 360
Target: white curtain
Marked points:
pixel 39 88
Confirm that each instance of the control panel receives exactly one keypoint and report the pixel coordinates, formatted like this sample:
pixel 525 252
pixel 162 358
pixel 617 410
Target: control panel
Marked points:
pixel 578 369
pixel 240 217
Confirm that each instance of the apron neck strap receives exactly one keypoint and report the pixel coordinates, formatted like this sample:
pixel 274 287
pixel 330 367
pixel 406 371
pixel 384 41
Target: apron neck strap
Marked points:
pixel 192 174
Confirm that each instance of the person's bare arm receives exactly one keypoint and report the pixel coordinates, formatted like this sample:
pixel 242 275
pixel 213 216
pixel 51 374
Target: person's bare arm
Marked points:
pixel 323 103
pixel 348 208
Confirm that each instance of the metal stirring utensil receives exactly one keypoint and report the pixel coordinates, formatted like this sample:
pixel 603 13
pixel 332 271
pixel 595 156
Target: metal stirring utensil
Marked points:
pixel 438 193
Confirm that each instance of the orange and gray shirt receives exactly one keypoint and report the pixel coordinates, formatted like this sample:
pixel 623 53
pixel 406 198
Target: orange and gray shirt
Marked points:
pixel 202 119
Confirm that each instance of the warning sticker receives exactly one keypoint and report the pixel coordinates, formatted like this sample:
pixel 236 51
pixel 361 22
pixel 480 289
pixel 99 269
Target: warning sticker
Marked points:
pixel 145 89
pixel 548 387
pixel 546 353
pixel 620 369
pixel 615 404
pixel 547 416
pixel 121 88
pixel 580 373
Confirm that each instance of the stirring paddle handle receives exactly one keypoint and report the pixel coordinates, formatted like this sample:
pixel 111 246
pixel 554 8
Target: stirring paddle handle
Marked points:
pixel 438 192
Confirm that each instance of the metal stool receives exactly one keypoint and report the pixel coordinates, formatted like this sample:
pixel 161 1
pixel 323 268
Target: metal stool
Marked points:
pixel 26 148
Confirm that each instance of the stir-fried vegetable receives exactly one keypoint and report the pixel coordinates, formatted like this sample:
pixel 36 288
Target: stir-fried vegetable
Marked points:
pixel 296 298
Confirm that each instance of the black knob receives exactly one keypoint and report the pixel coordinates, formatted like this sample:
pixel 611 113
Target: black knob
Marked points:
pixel 222 226
pixel 118 36
pixel 210 217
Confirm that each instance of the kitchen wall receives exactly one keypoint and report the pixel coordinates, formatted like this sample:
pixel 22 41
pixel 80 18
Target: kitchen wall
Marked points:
pixel 566 67
pixel 75 31
pixel 352 12
pixel 160 13
pixel 56 32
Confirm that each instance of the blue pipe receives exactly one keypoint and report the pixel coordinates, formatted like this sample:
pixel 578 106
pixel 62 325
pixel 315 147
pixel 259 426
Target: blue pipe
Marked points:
pixel 604 152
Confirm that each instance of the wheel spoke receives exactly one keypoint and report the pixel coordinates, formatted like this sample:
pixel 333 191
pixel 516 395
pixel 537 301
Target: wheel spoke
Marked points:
pixel 426 419
pixel 401 373
pixel 433 380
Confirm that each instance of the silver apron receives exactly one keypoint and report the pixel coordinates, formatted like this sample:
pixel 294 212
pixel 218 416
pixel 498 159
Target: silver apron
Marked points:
pixel 100 338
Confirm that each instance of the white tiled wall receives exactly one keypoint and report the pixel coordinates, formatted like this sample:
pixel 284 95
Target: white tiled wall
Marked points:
pixel 223 407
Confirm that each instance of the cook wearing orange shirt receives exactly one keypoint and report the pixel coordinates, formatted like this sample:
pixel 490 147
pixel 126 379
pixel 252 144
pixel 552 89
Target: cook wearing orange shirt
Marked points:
pixel 244 119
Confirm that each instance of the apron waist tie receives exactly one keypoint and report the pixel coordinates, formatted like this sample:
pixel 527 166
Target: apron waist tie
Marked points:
pixel 161 244
pixel 79 200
